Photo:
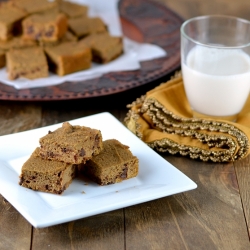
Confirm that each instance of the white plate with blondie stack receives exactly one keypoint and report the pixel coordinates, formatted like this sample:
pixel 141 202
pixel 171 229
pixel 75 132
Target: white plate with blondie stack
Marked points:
pixel 157 178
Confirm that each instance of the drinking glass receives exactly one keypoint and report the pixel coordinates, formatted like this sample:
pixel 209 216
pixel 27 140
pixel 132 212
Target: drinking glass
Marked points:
pixel 215 63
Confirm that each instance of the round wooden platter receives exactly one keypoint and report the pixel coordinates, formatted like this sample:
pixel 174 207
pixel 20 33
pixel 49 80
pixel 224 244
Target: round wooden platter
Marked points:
pixel 143 21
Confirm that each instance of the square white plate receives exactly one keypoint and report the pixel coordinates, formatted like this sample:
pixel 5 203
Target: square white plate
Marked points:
pixel 157 178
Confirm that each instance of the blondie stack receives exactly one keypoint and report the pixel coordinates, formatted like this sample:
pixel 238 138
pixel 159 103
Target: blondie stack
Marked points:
pixel 52 166
pixel 71 150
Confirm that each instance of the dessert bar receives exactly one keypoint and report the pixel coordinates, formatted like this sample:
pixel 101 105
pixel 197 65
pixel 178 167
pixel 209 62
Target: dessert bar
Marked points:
pixel 73 10
pixel 68 57
pixel 72 144
pixel 16 43
pixel 114 164
pixel 67 37
pixel 104 47
pixel 45 175
pixel 45 27
pixel 36 6
pixel 30 63
pixel 10 17
pixel 83 26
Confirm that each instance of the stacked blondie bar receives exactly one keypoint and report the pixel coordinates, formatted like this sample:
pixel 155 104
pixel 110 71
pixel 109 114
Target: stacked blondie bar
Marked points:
pixel 38 36
pixel 72 150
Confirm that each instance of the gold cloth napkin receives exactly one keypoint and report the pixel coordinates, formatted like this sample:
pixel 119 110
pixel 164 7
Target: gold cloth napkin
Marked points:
pixel 163 119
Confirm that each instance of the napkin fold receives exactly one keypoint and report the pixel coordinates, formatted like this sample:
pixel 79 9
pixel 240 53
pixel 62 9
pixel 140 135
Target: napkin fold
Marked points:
pixel 163 119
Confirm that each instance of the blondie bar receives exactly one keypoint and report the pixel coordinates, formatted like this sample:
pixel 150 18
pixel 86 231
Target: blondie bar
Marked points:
pixel 45 27
pixel 30 63
pixel 16 43
pixel 45 175
pixel 68 57
pixel 104 47
pixel 83 26
pixel 36 6
pixel 113 164
pixel 67 37
pixel 10 17
pixel 73 10
pixel 71 144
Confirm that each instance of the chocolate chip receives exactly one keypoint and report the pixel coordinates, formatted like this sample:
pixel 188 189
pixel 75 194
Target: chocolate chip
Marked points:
pixel 50 154
pixel 124 173
pixel 64 150
pixel 82 152
pixel 38 35
pixel 30 29
pixel 49 32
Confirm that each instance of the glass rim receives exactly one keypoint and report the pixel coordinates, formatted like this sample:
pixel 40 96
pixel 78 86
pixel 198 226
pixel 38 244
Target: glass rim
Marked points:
pixel 183 33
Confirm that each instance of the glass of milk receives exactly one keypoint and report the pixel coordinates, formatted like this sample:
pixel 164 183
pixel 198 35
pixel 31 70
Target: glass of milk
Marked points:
pixel 215 63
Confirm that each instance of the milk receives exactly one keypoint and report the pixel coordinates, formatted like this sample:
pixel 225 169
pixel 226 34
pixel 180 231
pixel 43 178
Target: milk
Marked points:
pixel 217 82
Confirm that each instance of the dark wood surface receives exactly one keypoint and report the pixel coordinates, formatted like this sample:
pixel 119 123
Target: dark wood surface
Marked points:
pixel 216 215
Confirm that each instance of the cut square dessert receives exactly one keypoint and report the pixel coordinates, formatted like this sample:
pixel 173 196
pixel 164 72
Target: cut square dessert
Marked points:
pixel 73 10
pixel 83 26
pixel 45 175
pixel 68 57
pixel 104 47
pixel 30 63
pixel 2 58
pixel 45 27
pixel 16 43
pixel 72 144
pixel 10 17
pixel 67 37
pixel 113 164
pixel 36 6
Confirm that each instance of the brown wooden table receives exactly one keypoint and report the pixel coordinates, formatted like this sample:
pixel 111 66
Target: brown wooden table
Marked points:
pixel 216 215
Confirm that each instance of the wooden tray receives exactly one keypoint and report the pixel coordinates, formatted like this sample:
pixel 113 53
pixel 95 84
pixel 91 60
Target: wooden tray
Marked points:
pixel 143 21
